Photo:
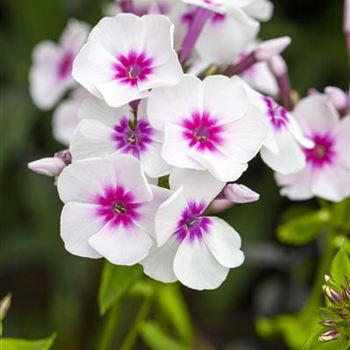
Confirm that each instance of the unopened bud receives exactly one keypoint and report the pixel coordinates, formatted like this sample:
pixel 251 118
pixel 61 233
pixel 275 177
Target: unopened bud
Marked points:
pixel 47 166
pixel 269 48
pixel 278 65
pixel 346 24
pixel 347 293
pixel 4 306
pixel 237 193
pixel 332 294
pixel 328 323
pixel 329 336
pixel 337 97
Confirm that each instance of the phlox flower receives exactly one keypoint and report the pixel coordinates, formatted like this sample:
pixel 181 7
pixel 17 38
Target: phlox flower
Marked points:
pixel 208 125
pixel 50 76
pixel 283 148
pixel 108 209
pixel 105 130
pixel 65 116
pixel 191 247
pixel 127 55
pixel 327 171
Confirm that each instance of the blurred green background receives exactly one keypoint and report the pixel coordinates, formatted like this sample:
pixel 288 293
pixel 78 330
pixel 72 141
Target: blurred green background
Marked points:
pixel 55 291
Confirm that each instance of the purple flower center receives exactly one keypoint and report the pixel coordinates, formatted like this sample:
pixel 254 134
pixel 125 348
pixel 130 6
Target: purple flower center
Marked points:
pixel 130 140
pixel 202 131
pixel 117 207
pixel 133 68
pixel 64 68
pixel 192 224
pixel 322 153
pixel 277 114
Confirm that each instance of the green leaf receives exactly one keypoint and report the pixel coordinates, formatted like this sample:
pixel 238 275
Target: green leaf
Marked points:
pixel 115 282
pixel 303 229
pixel 155 338
pixel 341 215
pixel 340 267
pixel 172 304
pixel 20 344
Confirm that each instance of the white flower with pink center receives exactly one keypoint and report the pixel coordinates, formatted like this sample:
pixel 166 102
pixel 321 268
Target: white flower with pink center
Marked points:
pixel 105 130
pixel 327 171
pixel 126 56
pixel 193 248
pixel 208 125
pixel 65 117
pixel 283 148
pixel 259 9
pixel 109 209
pixel 50 76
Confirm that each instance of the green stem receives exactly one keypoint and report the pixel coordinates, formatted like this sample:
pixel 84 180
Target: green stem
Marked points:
pixel 109 329
pixel 134 331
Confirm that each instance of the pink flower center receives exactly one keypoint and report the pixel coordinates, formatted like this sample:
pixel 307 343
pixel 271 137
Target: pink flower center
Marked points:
pixel 133 68
pixel 202 131
pixel 192 224
pixel 117 207
pixel 130 140
pixel 322 153
pixel 64 68
pixel 278 115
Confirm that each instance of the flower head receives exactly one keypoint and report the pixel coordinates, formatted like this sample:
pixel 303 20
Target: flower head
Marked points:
pixel 193 248
pixel 105 130
pixel 327 171
pixel 109 209
pixel 208 125
pixel 122 67
pixel 50 75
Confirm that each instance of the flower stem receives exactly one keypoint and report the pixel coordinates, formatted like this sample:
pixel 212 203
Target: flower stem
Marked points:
pixel 134 331
pixel 109 329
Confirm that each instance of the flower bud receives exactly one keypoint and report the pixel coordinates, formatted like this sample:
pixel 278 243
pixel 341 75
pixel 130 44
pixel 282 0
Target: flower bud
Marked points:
pixel 47 166
pixel 329 336
pixel 5 305
pixel 328 323
pixel 346 24
pixel 237 193
pixel 278 65
pixel 332 294
pixel 337 97
pixel 269 48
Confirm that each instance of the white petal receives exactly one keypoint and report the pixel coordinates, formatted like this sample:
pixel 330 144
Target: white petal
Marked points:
pixel 213 45
pixel 122 246
pixel 92 66
pixel 152 161
pixel 199 186
pixel 149 209
pixel 168 215
pixel 117 94
pixel 244 138
pixel 259 9
pixel 316 114
pixel 221 166
pixel 78 223
pixel 95 108
pixel 237 193
pixel 224 242
pixel 290 157
pixel 159 263
pixel 224 99
pixel 172 104
pixel 167 74
pixel 92 139
pixel 196 267
pixel 296 186
pixel 65 121
pixel 295 129
pixel 74 35
pixel 342 145
pixel 176 150
pixel 331 183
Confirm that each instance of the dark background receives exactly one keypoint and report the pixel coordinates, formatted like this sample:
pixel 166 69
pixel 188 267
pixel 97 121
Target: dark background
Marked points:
pixel 55 291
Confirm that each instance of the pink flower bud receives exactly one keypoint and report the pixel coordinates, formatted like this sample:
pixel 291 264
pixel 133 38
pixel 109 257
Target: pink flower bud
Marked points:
pixel 346 25
pixel 269 48
pixel 329 336
pixel 278 65
pixel 219 205
pixel 4 306
pixel 337 97
pixel 47 166
pixel 237 193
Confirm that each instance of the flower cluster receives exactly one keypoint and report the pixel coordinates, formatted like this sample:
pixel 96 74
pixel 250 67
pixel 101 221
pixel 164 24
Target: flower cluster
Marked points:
pixel 149 111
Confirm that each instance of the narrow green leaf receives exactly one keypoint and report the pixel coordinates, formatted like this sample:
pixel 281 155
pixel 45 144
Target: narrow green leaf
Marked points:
pixel 115 282
pixel 20 344
pixel 303 229
pixel 155 338
pixel 172 304
pixel 340 268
